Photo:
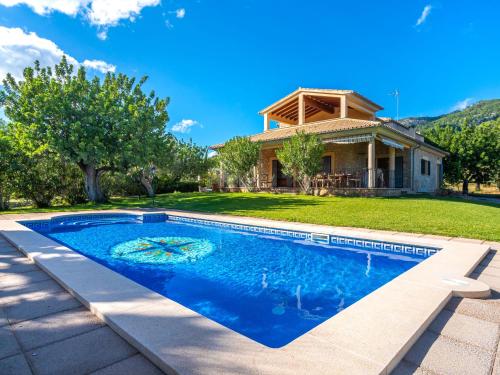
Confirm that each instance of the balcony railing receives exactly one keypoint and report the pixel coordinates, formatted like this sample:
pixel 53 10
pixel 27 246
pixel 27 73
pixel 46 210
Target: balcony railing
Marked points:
pixel 358 178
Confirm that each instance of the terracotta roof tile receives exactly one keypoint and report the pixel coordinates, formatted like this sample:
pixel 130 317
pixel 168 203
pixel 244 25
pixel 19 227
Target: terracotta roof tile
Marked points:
pixel 329 126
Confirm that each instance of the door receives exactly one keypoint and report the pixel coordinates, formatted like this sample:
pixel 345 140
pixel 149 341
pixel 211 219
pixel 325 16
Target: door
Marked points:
pixel 275 173
pixel 398 172
pixel 279 178
pixel 327 164
pixel 382 173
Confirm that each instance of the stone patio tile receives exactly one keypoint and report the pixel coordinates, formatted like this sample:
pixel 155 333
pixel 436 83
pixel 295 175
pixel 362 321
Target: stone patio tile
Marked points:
pixel 8 343
pixel 7 260
pixel 307 359
pixel 3 318
pixel 406 368
pixel 137 364
pixel 81 354
pixel 27 291
pixel 490 266
pixel 466 329
pixel 466 240
pixel 17 268
pixel 40 306
pixel 449 357
pixel 15 365
pixel 9 250
pixel 493 281
pixel 55 327
pixel 488 310
pixel 23 279
pixel 496 366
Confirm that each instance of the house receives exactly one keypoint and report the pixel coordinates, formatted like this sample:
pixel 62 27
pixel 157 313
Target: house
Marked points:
pixel 364 154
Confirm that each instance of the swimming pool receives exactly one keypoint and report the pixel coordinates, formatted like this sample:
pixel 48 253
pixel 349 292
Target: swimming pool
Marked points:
pixel 270 285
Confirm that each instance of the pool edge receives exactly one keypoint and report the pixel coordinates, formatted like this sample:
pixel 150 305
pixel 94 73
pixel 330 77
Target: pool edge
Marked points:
pixel 340 336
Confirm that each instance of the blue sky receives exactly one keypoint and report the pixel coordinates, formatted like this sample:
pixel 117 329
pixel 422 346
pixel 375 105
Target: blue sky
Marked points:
pixel 221 61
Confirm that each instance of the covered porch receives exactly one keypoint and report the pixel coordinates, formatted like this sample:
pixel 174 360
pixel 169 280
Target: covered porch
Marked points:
pixel 350 165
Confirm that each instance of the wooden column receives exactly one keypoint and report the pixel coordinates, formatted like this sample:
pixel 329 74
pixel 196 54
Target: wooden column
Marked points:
pixel 371 164
pixel 343 106
pixel 267 122
pixel 392 167
pixel 302 110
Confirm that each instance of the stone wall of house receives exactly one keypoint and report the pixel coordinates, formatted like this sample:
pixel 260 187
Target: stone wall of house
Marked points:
pixel 345 157
pixel 424 183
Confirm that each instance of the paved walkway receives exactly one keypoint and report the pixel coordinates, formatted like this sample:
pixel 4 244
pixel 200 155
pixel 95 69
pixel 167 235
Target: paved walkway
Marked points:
pixel 44 330
pixel 464 338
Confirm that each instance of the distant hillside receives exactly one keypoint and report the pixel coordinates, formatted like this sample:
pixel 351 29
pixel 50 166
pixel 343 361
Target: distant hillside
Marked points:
pixel 477 113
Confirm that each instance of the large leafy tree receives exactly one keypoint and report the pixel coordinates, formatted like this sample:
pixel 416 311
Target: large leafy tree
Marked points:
pixel 156 154
pixel 99 125
pixel 238 158
pixel 8 167
pixel 188 162
pixel 474 151
pixel 300 157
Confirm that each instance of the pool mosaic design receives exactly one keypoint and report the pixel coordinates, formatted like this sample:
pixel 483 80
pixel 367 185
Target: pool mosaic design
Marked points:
pixel 162 250
pixel 269 284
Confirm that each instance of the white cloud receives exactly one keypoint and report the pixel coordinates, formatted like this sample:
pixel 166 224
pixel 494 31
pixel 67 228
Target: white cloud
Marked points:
pixel 462 104
pixel 169 24
pixel 103 34
pixel 19 49
pixel 184 126
pixel 43 7
pixel 101 13
pixel 110 12
pixel 99 65
pixel 180 13
pixel 424 15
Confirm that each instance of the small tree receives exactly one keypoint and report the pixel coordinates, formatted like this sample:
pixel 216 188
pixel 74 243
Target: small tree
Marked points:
pixel 238 157
pixel 301 158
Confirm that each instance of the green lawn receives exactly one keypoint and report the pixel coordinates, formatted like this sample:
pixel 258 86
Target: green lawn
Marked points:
pixel 421 214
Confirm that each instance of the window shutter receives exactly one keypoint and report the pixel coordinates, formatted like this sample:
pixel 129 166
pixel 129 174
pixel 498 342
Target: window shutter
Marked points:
pixel 422 166
pixel 428 167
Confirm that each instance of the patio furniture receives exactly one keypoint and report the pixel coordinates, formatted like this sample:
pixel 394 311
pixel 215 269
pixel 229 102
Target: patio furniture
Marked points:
pixel 265 182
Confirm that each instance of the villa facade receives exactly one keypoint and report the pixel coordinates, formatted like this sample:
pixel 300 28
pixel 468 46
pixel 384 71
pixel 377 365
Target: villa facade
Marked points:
pixel 364 154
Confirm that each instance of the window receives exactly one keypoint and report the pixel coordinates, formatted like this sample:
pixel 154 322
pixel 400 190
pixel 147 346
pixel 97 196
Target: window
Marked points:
pixel 425 167
pixel 327 164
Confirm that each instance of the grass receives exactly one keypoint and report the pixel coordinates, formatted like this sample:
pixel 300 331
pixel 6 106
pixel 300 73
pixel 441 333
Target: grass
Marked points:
pixel 419 214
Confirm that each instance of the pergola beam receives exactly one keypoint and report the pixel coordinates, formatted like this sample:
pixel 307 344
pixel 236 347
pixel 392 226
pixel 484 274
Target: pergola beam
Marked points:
pixel 310 101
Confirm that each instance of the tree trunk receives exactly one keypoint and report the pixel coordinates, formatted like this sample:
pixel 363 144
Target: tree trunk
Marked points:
pixel 478 186
pixel 4 202
pixel 465 186
pixel 147 183
pixel 92 185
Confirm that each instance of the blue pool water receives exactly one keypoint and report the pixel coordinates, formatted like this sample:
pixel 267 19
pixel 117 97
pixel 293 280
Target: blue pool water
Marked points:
pixel 271 289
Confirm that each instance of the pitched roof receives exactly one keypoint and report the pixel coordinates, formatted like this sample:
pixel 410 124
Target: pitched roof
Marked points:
pixel 319 127
pixel 324 91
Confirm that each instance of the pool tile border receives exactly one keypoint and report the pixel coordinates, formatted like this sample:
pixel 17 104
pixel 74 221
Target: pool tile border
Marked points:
pixel 393 247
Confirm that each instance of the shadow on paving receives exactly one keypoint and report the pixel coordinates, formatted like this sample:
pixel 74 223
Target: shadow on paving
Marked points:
pixel 464 337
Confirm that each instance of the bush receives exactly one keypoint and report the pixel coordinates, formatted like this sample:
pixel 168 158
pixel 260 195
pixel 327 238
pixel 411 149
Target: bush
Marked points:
pixel 168 186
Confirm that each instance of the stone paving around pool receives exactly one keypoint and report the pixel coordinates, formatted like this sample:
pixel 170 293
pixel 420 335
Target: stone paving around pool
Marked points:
pixel 464 338
pixel 44 330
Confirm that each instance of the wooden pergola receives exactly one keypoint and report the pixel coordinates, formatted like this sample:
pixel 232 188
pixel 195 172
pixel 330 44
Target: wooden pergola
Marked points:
pixel 303 104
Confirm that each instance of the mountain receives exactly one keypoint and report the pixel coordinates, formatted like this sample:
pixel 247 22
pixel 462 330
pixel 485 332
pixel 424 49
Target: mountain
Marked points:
pixel 482 111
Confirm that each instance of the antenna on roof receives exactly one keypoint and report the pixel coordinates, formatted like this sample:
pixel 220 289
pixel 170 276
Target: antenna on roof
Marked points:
pixel 395 93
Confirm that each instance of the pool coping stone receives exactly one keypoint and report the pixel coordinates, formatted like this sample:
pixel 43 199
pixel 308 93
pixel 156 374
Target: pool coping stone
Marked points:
pixel 349 342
